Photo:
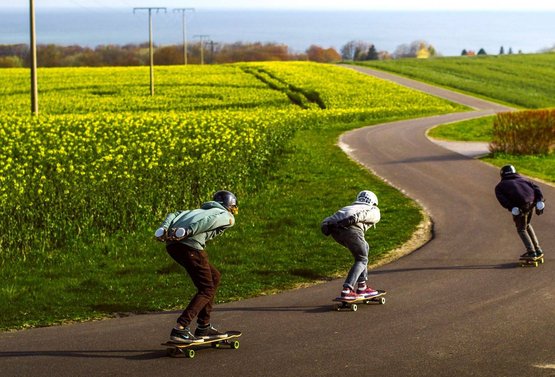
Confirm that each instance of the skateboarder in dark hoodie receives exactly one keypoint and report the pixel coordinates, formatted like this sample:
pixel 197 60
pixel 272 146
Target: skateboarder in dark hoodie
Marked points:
pixel 521 196
pixel 185 234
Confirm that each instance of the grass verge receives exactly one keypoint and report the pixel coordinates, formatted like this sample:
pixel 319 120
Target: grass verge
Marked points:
pixel 276 245
pixel 480 129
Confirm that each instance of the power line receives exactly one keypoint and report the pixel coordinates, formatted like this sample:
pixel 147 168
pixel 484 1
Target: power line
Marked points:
pixel 184 23
pixel 150 45
pixel 33 41
pixel 202 38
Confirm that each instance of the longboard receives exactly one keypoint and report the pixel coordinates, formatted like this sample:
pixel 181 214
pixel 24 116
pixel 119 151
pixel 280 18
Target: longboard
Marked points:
pixel 176 349
pixel 352 304
pixel 529 262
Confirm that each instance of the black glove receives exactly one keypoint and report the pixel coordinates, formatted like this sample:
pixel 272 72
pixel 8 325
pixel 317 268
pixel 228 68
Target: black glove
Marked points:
pixel 346 222
pixel 326 229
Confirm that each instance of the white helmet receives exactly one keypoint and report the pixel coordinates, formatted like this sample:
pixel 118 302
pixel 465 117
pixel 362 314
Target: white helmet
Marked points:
pixel 367 197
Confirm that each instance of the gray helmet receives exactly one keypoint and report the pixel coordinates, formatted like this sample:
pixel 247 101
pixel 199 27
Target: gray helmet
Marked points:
pixel 227 199
pixel 507 170
pixel 367 197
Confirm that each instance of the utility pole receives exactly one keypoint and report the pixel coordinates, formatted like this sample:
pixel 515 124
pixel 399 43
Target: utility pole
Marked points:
pixel 34 86
pixel 202 38
pixel 184 23
pixel 212 46
pixel 150 45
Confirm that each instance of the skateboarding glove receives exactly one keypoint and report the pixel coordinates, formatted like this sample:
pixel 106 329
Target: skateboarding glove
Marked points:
pixel 182 233
pixel 160 234
pixel 515 211
pixel 540 207
pixel 346 222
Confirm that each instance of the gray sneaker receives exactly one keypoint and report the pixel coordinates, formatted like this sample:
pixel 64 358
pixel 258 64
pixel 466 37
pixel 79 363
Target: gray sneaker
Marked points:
pixel 209 332
pixel 184 336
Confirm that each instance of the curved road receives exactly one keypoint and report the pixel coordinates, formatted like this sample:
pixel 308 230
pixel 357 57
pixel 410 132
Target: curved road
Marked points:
pixel 458 306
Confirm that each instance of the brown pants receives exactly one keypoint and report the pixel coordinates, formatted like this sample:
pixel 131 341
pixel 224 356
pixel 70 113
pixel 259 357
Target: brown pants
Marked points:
pixel 205 277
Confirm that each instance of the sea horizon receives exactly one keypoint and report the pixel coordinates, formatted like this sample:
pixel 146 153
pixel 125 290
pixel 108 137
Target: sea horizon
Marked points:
pixel 447 31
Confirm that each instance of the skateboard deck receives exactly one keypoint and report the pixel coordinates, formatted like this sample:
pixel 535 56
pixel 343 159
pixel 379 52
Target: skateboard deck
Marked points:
pixel 175 349
pixel 352 305
pixel 529 262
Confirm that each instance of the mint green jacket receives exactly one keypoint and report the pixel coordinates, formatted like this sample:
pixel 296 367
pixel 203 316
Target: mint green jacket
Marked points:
pixel 207 222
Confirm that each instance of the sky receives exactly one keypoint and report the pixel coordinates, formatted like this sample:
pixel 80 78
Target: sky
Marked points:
pixel 395 5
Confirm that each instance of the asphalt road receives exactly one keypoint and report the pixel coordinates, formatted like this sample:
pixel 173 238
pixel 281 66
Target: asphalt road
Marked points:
pixel 458 306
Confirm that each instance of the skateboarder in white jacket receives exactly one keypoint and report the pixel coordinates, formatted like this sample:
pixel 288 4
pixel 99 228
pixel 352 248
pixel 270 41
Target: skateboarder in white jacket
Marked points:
pixel 347 226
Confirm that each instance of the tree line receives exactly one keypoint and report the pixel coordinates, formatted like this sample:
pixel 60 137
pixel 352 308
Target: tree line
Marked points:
pixel 52 55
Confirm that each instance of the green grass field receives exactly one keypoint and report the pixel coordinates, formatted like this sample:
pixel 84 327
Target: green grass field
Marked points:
pixel 519 80
pixel 86 183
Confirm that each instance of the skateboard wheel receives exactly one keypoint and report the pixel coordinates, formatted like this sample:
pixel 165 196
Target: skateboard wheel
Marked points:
pixel 354 307
pixel 190 354
pixel 381 300
pixel 337 307
pixel 235 345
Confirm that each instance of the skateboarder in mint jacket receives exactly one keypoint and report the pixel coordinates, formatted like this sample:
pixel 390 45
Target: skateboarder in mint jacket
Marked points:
pixel 521 196
pixel 186 234
pixel 347 226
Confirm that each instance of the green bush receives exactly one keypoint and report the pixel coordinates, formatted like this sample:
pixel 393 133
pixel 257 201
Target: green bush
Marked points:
pixel 529 132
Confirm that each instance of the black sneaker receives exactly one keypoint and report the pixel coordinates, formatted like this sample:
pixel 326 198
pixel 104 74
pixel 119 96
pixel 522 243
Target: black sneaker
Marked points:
pixel 184 336
pixel 539 253
pixel 529 255
pixel 209 332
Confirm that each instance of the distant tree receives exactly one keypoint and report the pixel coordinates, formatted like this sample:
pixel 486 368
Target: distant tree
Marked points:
pixel 169 55
pixel 501 51
pixel 49 55
pixel 384 55
pixel 372 53
pixel 318 54
pixel 464 52
pixel 19 50
pixel 415 49
pixel 10 62
pixel 510 51
pixel 355 50
pixel 482 52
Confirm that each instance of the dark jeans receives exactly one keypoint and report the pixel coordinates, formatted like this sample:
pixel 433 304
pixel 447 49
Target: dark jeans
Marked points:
pixel 525 230
pixel 205 277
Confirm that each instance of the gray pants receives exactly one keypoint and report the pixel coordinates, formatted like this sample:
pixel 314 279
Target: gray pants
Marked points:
pixel 525 230
pixel 353 239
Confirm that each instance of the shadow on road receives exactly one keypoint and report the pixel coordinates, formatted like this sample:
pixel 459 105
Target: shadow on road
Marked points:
pixel 108 354
pixel 444 157
pixel 502 266
pixel 306 309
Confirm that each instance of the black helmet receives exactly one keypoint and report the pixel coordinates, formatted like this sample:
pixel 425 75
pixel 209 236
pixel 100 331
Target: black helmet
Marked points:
pixel 227 199
pixel 507 170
